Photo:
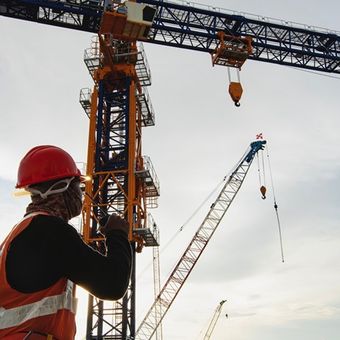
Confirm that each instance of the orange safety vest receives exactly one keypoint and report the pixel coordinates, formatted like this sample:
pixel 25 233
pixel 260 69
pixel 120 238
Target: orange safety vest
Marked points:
pixel 49 311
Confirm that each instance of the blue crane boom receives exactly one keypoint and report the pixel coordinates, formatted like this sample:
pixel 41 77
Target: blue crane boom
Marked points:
pixel 192 27
pixel 197 245
pixel 196 28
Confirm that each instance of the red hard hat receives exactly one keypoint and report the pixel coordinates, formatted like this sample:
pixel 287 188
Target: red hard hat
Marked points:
pixel 44 163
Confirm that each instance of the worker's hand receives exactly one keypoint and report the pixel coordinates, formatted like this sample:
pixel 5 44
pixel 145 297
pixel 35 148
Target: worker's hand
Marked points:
pixel 114 222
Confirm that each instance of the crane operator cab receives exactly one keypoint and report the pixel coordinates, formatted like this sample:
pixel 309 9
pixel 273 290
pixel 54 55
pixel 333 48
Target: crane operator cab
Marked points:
pixel 127 21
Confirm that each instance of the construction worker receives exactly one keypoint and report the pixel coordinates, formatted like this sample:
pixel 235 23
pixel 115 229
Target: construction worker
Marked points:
pixel 43 257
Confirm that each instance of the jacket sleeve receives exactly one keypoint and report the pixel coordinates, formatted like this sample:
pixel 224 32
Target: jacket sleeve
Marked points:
pixel 105 276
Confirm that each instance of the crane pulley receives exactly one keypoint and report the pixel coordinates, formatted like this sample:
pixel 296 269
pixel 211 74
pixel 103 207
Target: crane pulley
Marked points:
pixel 232 52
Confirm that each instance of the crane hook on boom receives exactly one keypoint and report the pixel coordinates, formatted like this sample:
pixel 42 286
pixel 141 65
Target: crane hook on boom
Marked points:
pixel 235 90
pixel 263 190
pixel 261 170
pixel 232 52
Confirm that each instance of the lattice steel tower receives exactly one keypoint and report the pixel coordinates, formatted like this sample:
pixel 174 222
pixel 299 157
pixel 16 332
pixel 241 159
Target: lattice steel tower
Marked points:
pixel 122 180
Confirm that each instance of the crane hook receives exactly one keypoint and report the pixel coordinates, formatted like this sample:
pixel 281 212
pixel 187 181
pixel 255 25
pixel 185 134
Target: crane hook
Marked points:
pixel 235 92
pixel 263 192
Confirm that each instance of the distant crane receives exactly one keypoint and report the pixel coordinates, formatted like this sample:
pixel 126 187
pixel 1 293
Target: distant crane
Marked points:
pixel 213 320
pixel 197 245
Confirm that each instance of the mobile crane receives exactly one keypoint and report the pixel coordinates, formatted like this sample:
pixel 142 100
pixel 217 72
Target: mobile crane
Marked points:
pixel 123 181
pixel 197 245
pixel 213 320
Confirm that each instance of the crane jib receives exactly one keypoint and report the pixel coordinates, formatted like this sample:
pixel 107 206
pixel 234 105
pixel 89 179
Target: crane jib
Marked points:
pixel 188 26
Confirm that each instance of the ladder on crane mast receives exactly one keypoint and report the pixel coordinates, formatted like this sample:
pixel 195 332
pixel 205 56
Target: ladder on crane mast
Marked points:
pixel 177 278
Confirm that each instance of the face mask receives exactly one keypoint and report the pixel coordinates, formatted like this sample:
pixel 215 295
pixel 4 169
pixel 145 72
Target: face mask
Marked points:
pixel 73 199
pixel 62 198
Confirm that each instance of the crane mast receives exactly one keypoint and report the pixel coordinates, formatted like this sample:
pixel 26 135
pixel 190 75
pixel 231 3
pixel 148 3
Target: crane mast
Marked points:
pixel 123 181
pixel 197 245
pixel 213 321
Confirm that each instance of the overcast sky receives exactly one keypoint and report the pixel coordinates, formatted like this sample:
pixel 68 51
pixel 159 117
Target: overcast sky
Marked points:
pixel 198 138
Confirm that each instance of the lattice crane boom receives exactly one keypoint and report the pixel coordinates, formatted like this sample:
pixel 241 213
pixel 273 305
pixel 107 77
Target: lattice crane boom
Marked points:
pixel 194 27
pixel 213 320
pixel 197 245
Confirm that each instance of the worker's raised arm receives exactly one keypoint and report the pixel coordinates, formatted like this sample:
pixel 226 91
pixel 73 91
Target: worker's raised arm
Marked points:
pixel 105 276
pixel 50 249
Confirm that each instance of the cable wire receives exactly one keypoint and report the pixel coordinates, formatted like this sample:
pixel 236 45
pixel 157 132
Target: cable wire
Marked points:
pixel 275 206
pixel 184 224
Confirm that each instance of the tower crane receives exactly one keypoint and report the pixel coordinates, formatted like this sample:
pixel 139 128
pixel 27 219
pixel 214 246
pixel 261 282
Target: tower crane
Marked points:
pixel 191 26
pixel 118 107
pixel 197 245
pixel 213 320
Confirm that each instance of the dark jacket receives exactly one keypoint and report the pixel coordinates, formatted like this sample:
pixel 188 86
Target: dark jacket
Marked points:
pixel 49 249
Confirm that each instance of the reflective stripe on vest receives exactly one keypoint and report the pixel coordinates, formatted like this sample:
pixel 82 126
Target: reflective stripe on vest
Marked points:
pixel 49 305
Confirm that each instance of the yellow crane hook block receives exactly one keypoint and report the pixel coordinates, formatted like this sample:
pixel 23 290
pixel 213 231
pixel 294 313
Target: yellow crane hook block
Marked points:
pixel 235 91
